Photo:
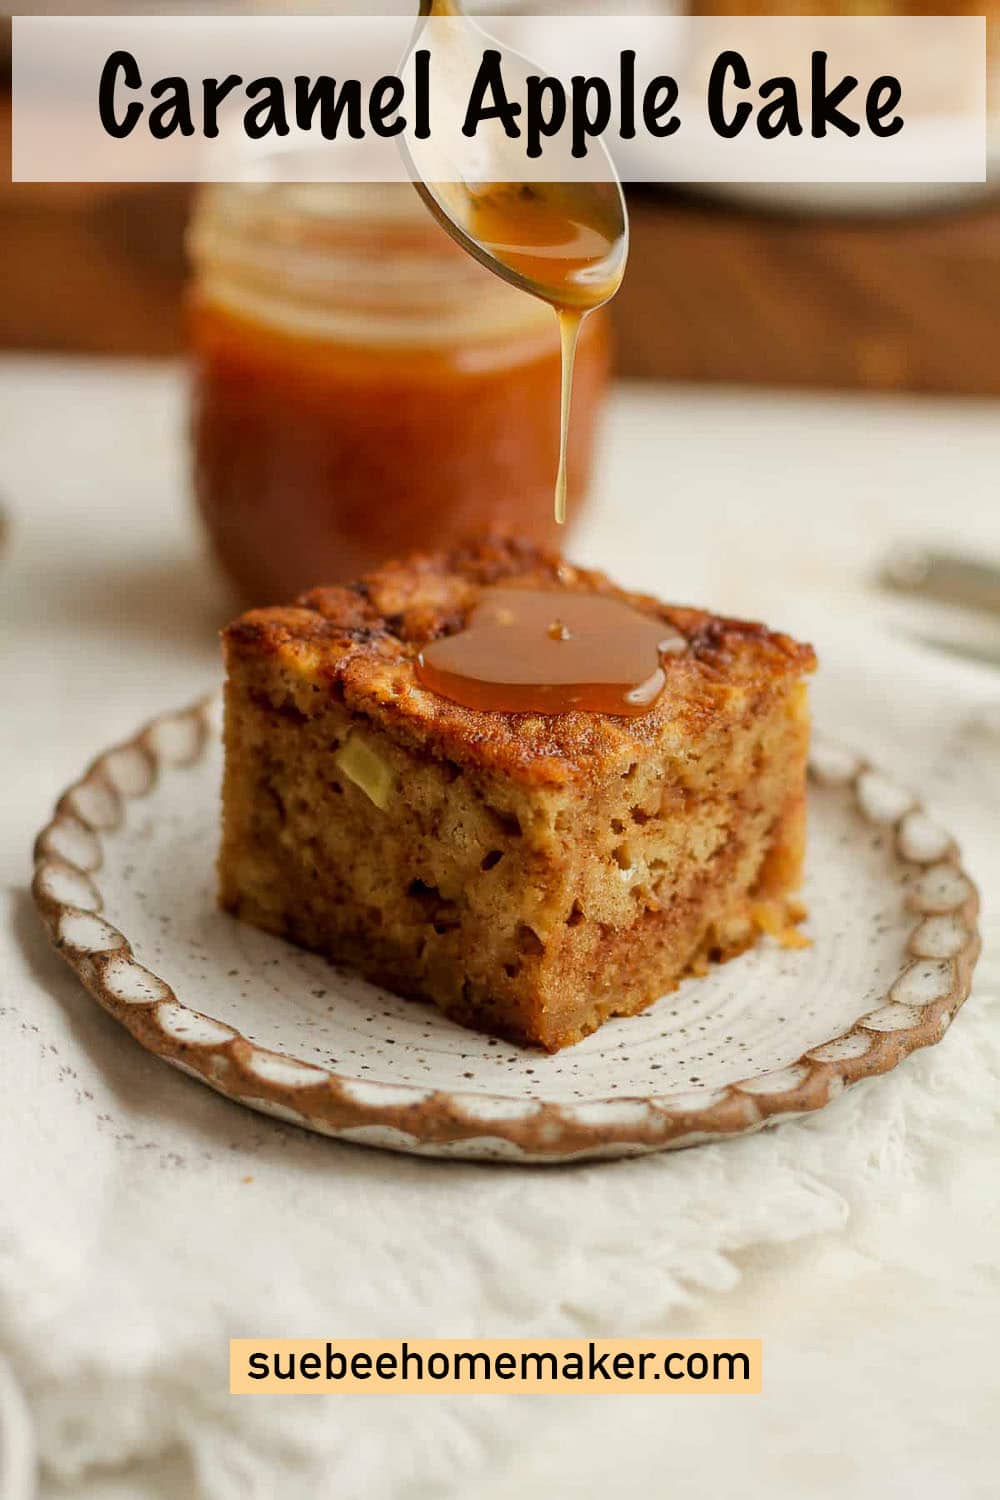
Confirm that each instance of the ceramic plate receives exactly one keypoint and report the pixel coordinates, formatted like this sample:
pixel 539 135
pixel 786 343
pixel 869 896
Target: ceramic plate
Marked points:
pixel 124 879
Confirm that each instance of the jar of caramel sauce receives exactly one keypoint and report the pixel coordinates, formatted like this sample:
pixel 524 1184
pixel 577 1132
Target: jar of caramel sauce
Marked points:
pixel 362 387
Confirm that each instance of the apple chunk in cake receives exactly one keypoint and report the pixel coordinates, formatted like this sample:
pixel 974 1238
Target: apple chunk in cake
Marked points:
pixel 532 874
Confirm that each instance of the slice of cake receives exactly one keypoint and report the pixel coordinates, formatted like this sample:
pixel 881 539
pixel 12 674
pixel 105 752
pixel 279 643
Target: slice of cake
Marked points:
pixel 530 873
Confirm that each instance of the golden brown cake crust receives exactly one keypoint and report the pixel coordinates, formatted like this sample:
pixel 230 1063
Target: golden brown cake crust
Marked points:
pixel 360 643
pixel 531 874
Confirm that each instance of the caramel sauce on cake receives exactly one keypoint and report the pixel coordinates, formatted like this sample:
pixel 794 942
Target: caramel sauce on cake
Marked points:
pixel 541 651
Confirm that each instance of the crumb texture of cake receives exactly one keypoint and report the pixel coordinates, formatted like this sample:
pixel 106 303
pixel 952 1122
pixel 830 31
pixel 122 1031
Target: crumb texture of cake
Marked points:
pixel 532 875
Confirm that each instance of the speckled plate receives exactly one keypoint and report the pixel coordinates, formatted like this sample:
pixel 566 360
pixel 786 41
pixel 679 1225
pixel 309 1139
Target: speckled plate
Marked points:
pixel 124 880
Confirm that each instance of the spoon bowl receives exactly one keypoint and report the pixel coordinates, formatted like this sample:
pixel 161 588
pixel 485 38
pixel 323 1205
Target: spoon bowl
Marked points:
pixel 566 241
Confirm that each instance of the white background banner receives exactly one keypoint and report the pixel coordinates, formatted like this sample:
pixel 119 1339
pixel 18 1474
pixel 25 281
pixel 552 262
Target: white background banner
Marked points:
pixel 676 99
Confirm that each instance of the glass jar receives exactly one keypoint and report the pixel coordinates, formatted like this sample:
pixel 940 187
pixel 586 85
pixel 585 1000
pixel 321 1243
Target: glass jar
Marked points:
pixel 362 387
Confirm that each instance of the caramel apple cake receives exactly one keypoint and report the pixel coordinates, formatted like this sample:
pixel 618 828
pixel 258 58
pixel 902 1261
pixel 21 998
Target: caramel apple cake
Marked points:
pixel 532 873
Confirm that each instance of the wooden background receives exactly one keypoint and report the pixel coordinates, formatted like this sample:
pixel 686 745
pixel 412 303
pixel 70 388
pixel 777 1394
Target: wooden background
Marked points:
pixel 713 293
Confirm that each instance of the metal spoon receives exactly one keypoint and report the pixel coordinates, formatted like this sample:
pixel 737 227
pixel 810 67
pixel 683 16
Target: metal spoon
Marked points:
pixel 565 242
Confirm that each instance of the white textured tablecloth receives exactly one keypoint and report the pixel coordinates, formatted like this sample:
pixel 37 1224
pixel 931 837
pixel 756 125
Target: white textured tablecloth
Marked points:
pixel 143 1221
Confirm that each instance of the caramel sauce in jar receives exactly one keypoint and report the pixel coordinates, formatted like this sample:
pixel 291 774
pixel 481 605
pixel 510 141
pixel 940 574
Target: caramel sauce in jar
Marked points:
pixel 362 387
pixel 548 652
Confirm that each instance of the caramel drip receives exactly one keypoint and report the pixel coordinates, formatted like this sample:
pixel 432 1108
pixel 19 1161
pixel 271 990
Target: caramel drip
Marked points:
pixel 561 240
pixel 564 242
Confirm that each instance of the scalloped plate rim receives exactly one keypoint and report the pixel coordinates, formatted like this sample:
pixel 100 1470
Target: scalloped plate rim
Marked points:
pixel 475 1125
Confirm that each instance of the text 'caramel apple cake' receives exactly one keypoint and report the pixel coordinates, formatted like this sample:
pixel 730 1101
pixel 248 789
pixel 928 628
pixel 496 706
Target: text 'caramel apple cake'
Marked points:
pixel 533 868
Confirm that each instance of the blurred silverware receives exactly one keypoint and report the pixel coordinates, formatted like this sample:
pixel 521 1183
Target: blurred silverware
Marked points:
pixel 945 600
pixel 944 577
pixel 18 1471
